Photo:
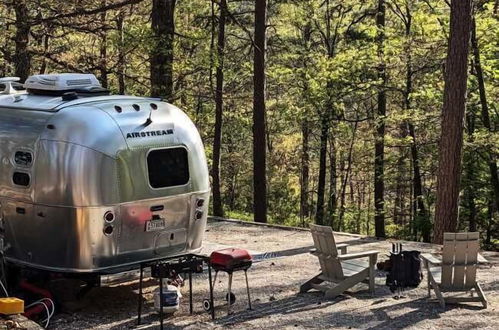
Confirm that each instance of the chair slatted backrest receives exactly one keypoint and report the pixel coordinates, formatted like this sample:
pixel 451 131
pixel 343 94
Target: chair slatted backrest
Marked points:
pixel 459 260
pixel 326 251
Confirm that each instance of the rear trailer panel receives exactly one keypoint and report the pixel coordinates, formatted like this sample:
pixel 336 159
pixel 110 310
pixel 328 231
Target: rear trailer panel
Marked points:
pixel 98 184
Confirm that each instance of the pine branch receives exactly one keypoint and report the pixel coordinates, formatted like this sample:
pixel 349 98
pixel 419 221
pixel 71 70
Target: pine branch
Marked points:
pixel 86 12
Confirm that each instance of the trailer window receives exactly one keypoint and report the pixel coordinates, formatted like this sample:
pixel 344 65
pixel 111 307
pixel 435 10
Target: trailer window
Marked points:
pixel 168 167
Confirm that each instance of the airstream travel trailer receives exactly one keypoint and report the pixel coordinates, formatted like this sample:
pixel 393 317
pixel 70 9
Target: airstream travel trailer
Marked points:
pixel 93 183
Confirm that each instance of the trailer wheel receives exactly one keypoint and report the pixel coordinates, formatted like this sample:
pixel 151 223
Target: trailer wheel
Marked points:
pixel 232 298
pixel 207 305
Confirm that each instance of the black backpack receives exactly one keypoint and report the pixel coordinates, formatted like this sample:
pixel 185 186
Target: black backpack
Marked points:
pixel 405 270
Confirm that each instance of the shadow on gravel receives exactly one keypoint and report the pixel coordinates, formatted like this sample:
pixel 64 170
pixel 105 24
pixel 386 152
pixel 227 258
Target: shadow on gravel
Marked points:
pixel 422 310
pixel 149 321
pixel 293 304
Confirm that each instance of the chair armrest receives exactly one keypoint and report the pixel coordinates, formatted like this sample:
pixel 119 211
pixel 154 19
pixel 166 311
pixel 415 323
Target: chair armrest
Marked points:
pixel 357 255
pixel 431 259
pixel 481 259
pixel 341 247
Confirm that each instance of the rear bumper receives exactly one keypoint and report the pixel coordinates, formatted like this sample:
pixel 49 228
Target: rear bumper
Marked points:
pixel 115 268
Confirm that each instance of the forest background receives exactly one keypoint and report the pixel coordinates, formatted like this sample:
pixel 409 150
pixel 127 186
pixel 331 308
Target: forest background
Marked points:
pixel 353 96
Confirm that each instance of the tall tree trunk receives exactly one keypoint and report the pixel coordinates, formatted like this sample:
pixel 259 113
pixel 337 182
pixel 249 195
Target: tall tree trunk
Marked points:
pixel 305 127
pixel 451 140
pixel 492 161
pixel 163 27
pixel 219 94
pixel 259 138
pixel 368 217
pixel 421 217
pixel 103 48
pixel 22 57
pixel 321 184
pixel 212 44
pixel 325 117
pixel 470 196
pixel 490 222
pixel 358 211
pixel 379 144
pixel 398 203
pixel 419 209
pixel 305 165
pixel 333 193
pixel 470 162
pixel 345 179
pixel 121 67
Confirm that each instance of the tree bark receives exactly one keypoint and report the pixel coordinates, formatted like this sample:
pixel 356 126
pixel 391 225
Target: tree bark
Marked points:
pixel 333 178
pixel 419 209
pixel 325 118
pixel 163 27
pixel 421 218
pixel 490 222
pixel 305 126
pixel 345 179
pixel 103 49
pixel 379 145
pixel 22 57
pixel 492 161
pixel 305 165
pixel 321 185
pixel 121 67
pixel 219 103
pixel 451 140
pixel 259 137
pixel 358 211
pixel 398 203
pixel 470 162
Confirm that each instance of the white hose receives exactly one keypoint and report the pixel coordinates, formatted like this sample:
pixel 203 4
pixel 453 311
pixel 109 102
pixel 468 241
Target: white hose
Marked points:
pixel 49 313
pixel 51 304
pixel 4 289
pixel 47 320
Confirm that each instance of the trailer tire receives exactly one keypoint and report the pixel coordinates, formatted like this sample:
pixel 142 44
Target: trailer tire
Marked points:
pixel 232 298
pixel 207 305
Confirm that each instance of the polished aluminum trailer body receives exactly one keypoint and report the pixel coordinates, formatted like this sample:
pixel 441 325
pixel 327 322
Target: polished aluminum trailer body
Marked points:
pixel 66 165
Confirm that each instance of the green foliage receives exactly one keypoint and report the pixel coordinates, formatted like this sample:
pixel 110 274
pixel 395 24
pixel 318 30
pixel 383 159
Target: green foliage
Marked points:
pixel 321 61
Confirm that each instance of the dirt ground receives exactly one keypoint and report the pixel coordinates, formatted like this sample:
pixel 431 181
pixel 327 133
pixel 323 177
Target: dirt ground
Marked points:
pixel 282 265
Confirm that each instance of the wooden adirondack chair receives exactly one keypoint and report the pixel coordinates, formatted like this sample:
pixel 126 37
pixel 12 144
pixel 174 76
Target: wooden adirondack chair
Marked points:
pixel 344 270
pixel 456 272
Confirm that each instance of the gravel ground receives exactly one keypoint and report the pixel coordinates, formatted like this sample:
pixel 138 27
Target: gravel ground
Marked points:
pixel 282 265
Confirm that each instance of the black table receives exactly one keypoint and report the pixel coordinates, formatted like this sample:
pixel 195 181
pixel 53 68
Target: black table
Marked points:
pixel 164 268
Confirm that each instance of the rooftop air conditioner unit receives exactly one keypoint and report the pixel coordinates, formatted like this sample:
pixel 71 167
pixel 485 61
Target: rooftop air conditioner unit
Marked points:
pixel 61 82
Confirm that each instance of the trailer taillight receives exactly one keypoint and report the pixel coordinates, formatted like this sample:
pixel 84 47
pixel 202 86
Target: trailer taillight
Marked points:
pixel 200 202
pixel 109 216
pixel 108 230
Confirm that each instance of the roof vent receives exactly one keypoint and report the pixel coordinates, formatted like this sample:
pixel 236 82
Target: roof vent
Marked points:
pixel 55 84
pixel 10 85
